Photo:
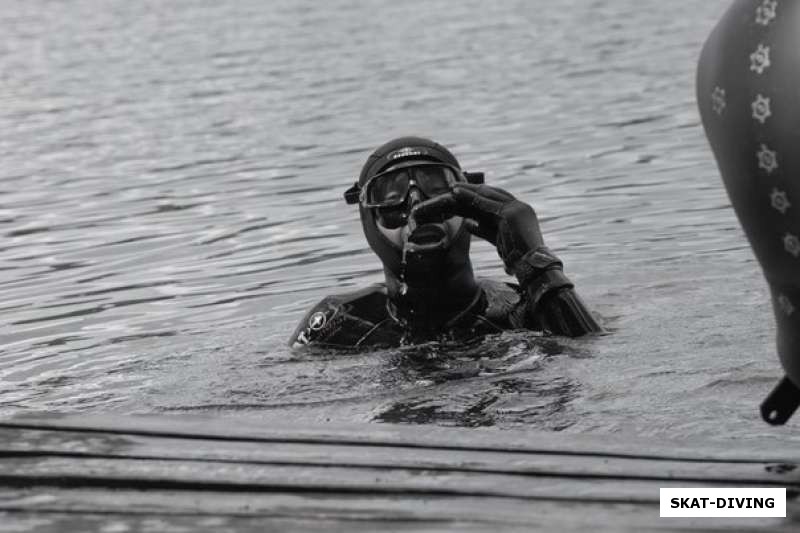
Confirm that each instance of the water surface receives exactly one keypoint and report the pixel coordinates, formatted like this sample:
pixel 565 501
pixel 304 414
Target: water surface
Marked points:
pixel 171 204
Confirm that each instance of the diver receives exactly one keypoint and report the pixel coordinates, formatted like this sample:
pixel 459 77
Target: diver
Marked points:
pixel 418 211
pixel 747 87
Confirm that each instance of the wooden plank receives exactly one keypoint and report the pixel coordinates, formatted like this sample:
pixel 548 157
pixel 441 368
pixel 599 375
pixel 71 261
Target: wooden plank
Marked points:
pixel 77 473
pixel 312 512
pixel 41 443
pixel 249 477
pixel 377 507
pixel 755 451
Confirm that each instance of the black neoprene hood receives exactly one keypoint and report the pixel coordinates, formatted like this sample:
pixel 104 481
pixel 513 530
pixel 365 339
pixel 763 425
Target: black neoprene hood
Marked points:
pixel 455 258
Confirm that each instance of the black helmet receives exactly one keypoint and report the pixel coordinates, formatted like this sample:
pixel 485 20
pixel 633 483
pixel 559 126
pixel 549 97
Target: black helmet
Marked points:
pixel 405 149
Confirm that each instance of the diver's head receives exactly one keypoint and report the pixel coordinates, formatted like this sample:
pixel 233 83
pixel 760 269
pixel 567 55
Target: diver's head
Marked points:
pixel 398 175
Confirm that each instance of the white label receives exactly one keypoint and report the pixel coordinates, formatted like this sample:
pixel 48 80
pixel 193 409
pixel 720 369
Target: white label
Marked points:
pixel 723 502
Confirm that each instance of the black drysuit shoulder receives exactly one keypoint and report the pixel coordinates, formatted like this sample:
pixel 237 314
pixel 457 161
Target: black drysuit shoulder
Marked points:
pixel 363 318
pixel 344 320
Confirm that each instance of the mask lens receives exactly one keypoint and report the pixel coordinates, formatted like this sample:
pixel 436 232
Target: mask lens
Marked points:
pixel 390 189
pixel 434 180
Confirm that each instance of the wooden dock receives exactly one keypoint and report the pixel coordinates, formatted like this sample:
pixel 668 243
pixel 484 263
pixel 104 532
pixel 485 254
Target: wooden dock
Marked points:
pixel 87 473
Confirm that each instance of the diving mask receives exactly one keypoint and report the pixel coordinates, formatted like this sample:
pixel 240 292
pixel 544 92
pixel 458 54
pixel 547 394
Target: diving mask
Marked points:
pixel 390 188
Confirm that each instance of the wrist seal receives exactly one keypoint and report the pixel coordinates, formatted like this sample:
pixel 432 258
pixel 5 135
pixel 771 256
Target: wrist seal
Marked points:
pixel 535 263
pixel 540 272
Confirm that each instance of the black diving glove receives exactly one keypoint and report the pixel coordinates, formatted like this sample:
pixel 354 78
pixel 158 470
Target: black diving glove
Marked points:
pixel 512 226
pixel 495 215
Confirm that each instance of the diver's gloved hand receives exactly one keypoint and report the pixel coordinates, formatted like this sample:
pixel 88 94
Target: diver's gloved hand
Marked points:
pixel 495 215
pixel 511 225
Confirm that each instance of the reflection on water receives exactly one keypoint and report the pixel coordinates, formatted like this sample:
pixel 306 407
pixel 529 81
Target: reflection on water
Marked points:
pixel 170 204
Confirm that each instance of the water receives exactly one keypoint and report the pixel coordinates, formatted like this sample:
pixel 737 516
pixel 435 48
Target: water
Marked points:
pixel 171 204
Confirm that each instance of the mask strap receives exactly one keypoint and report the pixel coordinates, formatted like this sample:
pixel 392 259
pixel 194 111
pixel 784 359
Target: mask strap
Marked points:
pixel 353 194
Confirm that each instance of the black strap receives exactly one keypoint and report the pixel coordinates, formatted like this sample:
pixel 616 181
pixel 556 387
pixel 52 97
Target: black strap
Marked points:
pixel 535 263
pixel 781 403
